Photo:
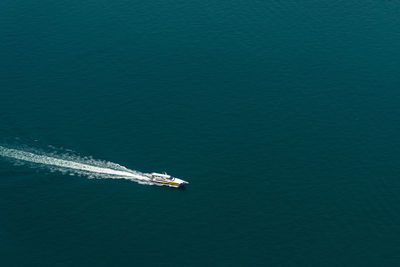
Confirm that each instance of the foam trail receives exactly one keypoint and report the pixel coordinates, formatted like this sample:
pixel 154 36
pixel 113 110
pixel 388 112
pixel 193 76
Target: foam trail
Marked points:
pixel 102 171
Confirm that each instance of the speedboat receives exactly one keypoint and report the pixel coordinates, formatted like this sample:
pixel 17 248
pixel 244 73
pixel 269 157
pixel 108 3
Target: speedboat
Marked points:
pixel 166 179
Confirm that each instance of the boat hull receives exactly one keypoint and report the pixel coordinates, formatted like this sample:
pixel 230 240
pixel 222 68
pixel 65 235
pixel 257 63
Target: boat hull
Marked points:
pixel 167 180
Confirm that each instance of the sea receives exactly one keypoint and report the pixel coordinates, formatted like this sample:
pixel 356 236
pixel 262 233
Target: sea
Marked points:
pixel 284 117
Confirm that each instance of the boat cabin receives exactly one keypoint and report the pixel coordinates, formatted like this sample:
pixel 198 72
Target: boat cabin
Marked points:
pixel 161 176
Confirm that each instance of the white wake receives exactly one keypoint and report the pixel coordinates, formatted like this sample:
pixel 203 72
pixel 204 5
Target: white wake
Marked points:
pixel 77 165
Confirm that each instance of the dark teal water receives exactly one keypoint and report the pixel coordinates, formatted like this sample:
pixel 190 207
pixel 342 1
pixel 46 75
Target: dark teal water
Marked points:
pixel 282 115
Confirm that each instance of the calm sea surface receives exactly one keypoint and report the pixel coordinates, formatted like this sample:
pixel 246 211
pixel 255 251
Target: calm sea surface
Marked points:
pixel 284 116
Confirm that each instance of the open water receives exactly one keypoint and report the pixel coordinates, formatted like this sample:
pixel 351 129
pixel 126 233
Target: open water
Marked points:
pixel 284 116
